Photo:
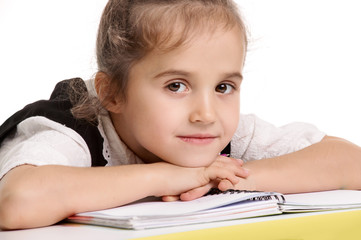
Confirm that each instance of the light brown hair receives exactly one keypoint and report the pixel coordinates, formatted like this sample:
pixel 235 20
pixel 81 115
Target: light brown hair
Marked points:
pixel 129 30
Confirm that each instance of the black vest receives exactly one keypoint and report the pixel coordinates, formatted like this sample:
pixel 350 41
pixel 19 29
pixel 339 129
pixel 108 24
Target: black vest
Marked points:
pixel 57 109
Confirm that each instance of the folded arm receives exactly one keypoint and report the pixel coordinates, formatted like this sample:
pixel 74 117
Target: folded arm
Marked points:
pixel 33 196
pixel 333 163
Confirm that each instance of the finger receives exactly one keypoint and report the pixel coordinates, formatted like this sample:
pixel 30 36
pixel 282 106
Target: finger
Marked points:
pixel 196 192
pixel 233 174
pixel 170 198
pixel 240 161
pixel 224 185
pixel 231 164
pixel 229 159
pixel 242 172
pixel 237 161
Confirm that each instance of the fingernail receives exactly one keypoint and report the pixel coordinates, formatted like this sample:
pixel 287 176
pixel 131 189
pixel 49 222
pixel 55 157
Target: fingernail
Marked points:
pixel 240 161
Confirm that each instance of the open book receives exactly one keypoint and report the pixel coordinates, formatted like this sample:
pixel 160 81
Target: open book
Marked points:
pixel 217 206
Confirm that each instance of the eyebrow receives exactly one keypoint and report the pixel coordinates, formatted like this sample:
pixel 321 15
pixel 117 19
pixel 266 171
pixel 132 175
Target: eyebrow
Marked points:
pixel 187 74
pixel 234 75
pixel 172 73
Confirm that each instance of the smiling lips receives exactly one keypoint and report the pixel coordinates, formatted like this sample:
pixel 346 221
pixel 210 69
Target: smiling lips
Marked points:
pixel 198 138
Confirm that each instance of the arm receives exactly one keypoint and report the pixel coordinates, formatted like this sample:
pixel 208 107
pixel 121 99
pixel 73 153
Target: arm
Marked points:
pixel 333 163
pixel 38 196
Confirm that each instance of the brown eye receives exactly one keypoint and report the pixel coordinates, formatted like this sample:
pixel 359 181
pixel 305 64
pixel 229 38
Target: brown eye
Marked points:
pixel 177 87
pixel 224 88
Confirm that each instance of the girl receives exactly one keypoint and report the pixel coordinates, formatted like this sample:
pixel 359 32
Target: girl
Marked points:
pixel 162 107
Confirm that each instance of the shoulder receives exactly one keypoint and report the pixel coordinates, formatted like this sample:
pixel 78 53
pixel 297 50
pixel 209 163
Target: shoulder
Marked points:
pixel 41 141
pixel 256 138
pixel 38 124
pixel 58 109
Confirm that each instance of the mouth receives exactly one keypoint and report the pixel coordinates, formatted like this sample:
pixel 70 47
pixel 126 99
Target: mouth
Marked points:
pixel 201 139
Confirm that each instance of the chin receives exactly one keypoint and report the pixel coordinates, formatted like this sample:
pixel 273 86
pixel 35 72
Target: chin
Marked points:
pixel 195 161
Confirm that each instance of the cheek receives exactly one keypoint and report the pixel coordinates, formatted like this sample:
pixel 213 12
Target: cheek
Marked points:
pixel 234 120
pixel 230 116
pixel 156 119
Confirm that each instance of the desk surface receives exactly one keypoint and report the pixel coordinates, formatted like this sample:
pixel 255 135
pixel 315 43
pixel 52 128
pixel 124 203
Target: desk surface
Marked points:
pixel 322 225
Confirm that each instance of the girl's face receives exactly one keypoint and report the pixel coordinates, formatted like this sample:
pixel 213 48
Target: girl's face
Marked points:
pixel 183 106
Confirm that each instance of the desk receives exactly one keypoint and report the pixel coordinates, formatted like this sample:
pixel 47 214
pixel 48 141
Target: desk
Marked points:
pixel 321 225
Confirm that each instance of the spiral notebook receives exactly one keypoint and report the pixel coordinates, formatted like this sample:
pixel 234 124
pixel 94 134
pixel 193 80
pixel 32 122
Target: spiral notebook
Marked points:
pixel 217 206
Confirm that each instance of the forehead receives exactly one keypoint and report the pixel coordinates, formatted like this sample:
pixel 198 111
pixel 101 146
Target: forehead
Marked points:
pixel 216 53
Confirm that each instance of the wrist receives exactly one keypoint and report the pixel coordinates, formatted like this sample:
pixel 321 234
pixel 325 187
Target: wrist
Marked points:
pixel 161 177
pixel 248 183
pixel 154 179
pixel 264 175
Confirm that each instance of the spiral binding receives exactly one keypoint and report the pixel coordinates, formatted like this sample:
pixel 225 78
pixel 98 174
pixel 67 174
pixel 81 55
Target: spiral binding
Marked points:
pixel 279 197
pixel 216 191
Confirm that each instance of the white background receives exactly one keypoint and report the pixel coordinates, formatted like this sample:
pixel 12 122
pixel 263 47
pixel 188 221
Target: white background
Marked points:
pixel 303 62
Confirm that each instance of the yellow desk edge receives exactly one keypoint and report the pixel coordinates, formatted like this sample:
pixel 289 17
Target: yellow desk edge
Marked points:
pixel 339 225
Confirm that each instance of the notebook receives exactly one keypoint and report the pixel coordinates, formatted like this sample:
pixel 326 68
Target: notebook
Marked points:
pixel 217 206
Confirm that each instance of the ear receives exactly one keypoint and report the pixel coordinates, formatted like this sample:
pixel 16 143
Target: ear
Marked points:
pixel 106 93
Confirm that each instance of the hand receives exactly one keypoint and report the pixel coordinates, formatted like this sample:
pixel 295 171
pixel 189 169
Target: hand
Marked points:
pixel 224 173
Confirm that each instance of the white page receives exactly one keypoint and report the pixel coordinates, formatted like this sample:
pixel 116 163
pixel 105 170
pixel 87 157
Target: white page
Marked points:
pixel 244 209
pixel 335 197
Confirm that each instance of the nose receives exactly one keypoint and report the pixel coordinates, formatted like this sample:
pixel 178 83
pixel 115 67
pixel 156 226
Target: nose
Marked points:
pixel 203 109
